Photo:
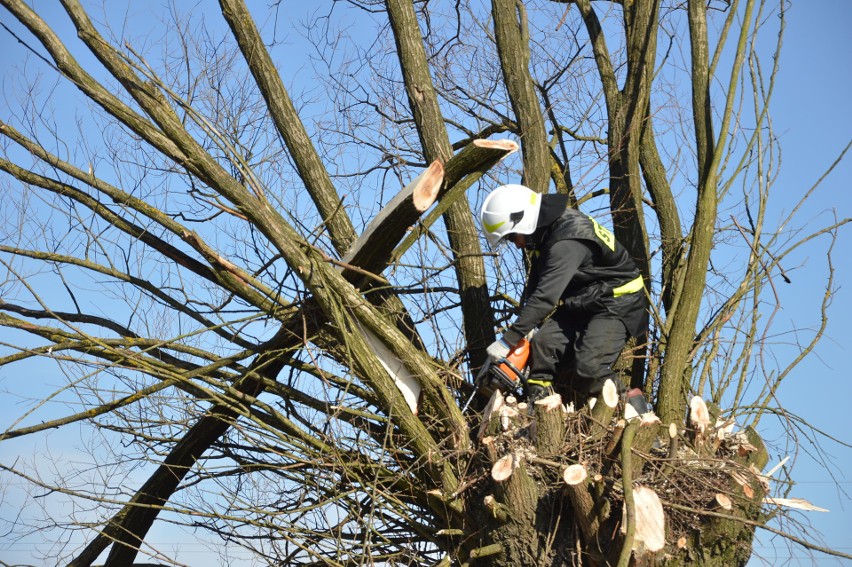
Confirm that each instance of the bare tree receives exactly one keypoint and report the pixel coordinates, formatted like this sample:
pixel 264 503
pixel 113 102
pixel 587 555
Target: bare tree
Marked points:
pixel 263 288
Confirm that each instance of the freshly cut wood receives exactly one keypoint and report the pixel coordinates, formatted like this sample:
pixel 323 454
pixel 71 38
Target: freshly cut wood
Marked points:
pixel 647 431
pixel 615 438
pixel 404 379
pixel 503 468
pixel 507 414
pixel 490 447
pixel 797 503
pixel 649 418
pixel 370 251
pixel 764 481
pixel 495 402
pixel 673 445
pixel 547 430
pixel 473 160
pixel 738 477
pixel 585 509
pixel 610 394
pixel 681 542
pixel 460 172
pixel 743 445
pixel 507 146
pixel 744 482
pixel 494 405
pixel 771 472
pixel 550 403
pixel 724 428
pixel 699 416
pixel 575 474
pixel 497 509
pixel 650 520
pixel 722 501
pixel 602 410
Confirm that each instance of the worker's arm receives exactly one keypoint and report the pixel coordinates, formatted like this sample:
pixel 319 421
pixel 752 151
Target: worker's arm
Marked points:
pixel 559 264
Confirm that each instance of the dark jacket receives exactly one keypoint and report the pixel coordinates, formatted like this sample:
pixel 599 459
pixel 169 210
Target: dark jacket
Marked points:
pixel 577 263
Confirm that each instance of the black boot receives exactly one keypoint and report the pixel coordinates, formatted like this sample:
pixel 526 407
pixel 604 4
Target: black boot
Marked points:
pixel 635 402
pixel 536 392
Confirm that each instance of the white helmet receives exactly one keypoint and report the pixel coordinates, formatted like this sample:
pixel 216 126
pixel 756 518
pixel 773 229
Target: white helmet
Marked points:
pixel 509 209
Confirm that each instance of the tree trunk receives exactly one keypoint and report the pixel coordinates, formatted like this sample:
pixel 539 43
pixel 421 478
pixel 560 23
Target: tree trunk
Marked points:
pixel 477 314
pixel 682 331
pixel 512 37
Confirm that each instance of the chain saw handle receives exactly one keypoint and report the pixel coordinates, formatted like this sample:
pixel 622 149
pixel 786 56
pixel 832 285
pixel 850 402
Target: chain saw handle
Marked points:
pixel 506 374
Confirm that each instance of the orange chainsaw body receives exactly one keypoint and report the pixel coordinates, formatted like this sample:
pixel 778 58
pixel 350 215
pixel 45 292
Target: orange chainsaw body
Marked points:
pixel 508 373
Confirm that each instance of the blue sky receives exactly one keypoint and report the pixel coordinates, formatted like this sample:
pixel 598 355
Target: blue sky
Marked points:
pixel 813 117
pixel 811 112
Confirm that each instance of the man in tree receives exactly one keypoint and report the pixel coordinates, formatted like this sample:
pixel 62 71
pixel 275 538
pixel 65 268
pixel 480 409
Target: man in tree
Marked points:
pixel 578 267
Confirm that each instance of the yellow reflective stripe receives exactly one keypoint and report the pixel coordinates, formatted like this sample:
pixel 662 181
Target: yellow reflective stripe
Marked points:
pixel 493 227
pixel 630 287
pixel 606 236
pixel 543 383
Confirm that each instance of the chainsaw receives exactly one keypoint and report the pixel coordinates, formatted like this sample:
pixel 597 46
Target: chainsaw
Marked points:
pixel 506 375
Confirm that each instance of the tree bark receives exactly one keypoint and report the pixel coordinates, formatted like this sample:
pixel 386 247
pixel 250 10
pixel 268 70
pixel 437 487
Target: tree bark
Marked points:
pixel 627 113
pixel 512 37
pixel 477 314
pixel 289 124
pixel 681 336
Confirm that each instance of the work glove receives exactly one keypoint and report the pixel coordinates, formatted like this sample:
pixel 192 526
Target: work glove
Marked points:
pixel 498 350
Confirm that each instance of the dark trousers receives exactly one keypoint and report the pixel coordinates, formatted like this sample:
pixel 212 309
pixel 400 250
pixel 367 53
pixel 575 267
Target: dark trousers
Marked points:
pixel 591 342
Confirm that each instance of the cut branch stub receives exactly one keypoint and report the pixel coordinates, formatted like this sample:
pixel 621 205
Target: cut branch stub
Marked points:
pixel 575 474
pixel 646 434
pixel 583 502
pixel 548 429
pixel 722 501
pixel 610 394
pixel 373 248
pixel 507 415
pixel 503 468
pixel 602 410
pixel 494 405
pixel 650 520
pixel 550 403
pixel 699 415
pixel 497 510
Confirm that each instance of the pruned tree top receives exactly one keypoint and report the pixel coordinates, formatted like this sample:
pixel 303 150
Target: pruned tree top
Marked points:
pixel 241 274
